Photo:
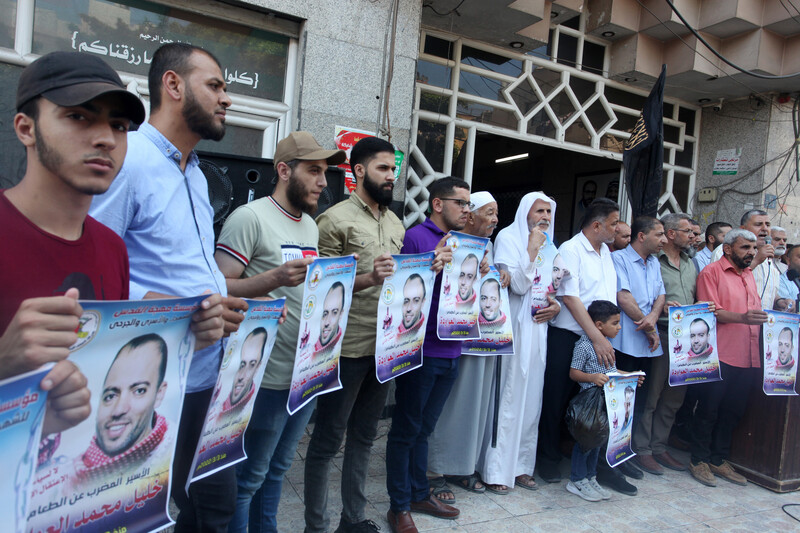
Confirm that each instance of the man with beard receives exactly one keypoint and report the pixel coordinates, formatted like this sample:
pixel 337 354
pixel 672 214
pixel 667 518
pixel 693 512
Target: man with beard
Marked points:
pixel 785 359
pixel 729 283
pixel 622 237
pixel 413 302
pixel 159 206
pixel 788 291
pixel 73 113
pixel 592 277
pixel 421 394
pixel 243 387
pixel 662 401
pixel 329 332
pixel 698 337
pixel 361 225
pixel 466 281
pixel 715 233
pixel 264 249
pixel 765 270
pixel 779 239
pixel 526 250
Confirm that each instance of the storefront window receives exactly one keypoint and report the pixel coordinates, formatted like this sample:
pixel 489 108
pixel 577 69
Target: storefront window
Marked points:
pixel 8 23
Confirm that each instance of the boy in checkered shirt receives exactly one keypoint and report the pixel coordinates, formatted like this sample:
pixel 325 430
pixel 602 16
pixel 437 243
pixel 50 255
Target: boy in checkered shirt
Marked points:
pixel 588 372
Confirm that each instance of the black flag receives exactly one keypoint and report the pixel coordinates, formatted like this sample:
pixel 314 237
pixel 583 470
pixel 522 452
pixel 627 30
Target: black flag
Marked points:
pixel 643 157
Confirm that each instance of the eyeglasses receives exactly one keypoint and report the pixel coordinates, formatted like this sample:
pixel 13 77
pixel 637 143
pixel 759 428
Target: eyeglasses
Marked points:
pixel 461 203
pixel 687 231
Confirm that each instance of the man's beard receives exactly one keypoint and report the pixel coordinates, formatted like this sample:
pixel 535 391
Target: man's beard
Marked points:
pixel 199 120
pixel 740 262
pixel 377 192
pixel 296 193
pixel 53 161
pixel 691 251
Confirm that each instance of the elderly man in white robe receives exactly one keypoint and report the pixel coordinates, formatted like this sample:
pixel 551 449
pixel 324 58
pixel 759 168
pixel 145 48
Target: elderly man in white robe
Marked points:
pixel 454 445
pixel 526 250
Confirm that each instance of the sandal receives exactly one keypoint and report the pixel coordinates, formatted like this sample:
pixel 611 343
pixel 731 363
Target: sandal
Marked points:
pixel 526 482
pixel 497 489
pixel 467 483
pixel 439 488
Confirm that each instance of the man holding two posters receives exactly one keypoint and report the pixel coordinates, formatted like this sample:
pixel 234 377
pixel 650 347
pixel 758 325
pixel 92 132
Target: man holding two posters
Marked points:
pixel 730 284
pixel 421 394
pixel 264 249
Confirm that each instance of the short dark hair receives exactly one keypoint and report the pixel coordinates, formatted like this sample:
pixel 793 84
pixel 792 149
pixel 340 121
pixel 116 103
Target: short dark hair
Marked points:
pixel 414 277
pixel 715 228
pixel 443 187
pixel 141 340
pixel 643 224
pixel 599 210
pixel 336 286
pixel 174 57
pixel 366 149
pixel 492 280
pixel 708 329
pixel 602 310
pixel 258 331
pixel 749 214
pixel 791 333
pixel 31 108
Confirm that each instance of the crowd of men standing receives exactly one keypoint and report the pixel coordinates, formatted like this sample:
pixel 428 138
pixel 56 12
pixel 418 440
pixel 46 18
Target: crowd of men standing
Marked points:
pixel 475 423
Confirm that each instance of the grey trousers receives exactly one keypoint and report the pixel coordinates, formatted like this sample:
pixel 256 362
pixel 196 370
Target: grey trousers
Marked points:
pixel 662 404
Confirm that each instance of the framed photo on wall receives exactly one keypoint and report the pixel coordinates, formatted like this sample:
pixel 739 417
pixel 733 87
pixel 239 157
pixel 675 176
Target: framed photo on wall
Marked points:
pixel 590 186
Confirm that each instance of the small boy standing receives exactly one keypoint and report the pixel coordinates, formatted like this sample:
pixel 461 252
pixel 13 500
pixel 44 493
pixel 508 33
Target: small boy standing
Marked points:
pixel 588 372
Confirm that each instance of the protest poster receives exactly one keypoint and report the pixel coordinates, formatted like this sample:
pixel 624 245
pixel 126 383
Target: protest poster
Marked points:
pixel 22 407
pixel 457 318
pixel 345 138
pixel 494 320
pixel 245 358
pixel 112 472
pixel 780 353
pixel 620 393
pixel 403 309
pixel 692 349
pixel 327 295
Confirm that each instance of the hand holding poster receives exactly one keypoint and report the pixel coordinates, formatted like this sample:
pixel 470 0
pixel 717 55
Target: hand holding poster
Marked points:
pixel 402 315
pixel 620 391
pixel 112 471
pixel 780 353
pixel 497 337
pixel 692 348
pixel 457 318
pixel 22 408
pixel 246 354
pixel 326 303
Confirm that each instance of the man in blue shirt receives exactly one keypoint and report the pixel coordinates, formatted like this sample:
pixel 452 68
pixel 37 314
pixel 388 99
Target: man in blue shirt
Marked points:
pixel 641 296
pixel 159 206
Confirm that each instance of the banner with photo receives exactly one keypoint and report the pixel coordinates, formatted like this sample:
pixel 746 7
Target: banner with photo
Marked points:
pixel 494 320
pixel 620 393
pixel 243 363
pixel 22 408
pixel 403 310
pixel 112 472
pixel 327 295
pixel 457 318
pixel 692 349
pixel 780 353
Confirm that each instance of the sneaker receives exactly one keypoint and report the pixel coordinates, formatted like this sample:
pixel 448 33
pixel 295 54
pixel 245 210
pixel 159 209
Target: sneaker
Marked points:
pixel 584 490
pixel 702 473
pixel 598 489
pixel 725 470
pixel 367 526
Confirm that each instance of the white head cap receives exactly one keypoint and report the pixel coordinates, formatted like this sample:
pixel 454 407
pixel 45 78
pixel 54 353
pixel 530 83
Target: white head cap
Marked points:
pixel 479 199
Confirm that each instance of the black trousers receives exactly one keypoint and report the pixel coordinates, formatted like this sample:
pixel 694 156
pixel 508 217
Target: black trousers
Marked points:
pixel 212 500
pixel 720 406
pixel 557 391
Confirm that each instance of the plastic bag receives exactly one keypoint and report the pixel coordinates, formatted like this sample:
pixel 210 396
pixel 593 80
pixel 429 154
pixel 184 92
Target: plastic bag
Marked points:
pixel 587 420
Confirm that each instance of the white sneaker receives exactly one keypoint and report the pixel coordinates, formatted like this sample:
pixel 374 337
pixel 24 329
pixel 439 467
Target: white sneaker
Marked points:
pixel 583 489
pixel 598 489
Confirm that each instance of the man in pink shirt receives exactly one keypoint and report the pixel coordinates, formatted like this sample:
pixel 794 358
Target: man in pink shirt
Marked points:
pixel 730 284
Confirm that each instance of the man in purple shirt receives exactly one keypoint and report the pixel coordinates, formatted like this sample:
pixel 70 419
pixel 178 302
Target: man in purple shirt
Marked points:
pixel 421 394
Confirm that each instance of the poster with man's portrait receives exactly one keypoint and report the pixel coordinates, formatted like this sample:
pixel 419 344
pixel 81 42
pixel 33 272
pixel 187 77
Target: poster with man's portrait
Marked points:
pixel 113 470
pixel 494 320
pixel 243 363
pixel 403 309
pixel 459 306
pixel 591 186
pixel 620 395
pixel 692 345
pixel 327 296
pixel 779 338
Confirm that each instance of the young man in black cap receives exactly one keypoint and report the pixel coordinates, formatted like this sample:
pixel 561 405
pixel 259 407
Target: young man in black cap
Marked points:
pixel 73 114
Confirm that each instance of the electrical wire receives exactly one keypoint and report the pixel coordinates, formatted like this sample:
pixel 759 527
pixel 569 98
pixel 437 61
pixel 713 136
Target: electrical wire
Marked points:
pixel 723 58
pixel 454 10
pixel 789 12
pixel 785 505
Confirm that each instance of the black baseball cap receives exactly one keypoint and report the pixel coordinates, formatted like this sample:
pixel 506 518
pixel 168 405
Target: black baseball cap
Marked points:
pixel 71 78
